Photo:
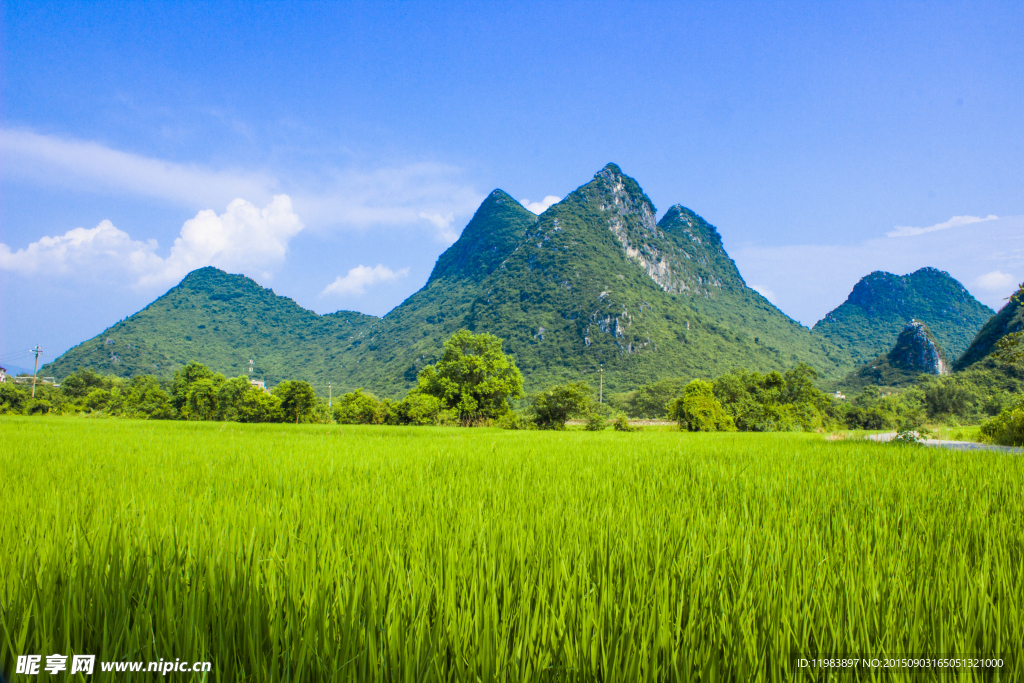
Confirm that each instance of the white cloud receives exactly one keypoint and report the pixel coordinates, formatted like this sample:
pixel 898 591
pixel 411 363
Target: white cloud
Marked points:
pixel 954 222
pixel 361 277
pixel 91 166
pixel 96 250
pixel 541 206
pixel 394 196
pixel 243 238
pixel 996 281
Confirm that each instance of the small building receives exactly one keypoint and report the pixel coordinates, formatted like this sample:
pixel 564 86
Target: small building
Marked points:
pixel 40 381
pixel 259 384
pixel 3 375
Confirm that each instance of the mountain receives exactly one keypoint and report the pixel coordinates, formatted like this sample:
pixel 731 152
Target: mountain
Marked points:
pixel 1009 319
pixel 916 352
pixel 594 279
pixel 222 320
pixel 867 324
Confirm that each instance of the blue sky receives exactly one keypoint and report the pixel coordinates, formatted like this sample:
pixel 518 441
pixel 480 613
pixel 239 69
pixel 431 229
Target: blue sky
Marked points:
pixel 333 151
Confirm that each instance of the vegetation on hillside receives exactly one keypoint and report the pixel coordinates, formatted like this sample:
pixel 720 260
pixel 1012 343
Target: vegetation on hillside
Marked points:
pixel 1006 327
pixel 222 321
pixel 593 280
pixel 916 352
pixel 867 324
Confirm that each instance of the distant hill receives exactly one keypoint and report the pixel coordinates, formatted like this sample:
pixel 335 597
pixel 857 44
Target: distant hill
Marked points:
pixel 594 279
pixel 916 352
pixel 1009 319
pixel 881 304
pixel 222 320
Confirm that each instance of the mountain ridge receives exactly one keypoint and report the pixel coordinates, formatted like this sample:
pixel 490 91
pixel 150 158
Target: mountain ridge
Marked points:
pixel 593 281
pixel 881 304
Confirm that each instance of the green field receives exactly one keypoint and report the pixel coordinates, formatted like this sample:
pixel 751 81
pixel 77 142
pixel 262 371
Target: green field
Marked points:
pixel 315 553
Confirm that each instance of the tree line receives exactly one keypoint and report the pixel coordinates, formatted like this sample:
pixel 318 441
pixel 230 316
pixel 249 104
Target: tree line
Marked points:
pixel 476 383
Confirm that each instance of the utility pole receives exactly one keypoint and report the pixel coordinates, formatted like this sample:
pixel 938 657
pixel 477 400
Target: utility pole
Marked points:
pixel 600 392
pixel 38 351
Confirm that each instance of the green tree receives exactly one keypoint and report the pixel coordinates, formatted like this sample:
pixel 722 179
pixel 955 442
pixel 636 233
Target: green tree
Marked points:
pixel 231 397
pixel 559 404
pixel 357 408
pixel 798 385
pixel 77 385
pixel 12 399
pixel 697 410
pixel 202 403
pixel 950 396
pixel 420 409
pixel 298 400
pixel 1007 428
pixel 98 400
pixel 144 398
pixel 474 377
pixel 183 381
pixel 651 400
pixel 256 405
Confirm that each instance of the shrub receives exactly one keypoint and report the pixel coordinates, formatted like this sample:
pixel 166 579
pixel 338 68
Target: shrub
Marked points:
pixel 1007 428
pixel 559 404
pixel 697 410
pixel 514 420
pixel 621 424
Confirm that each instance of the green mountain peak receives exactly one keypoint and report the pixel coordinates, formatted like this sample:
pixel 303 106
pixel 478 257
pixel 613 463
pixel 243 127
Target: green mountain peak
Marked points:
pixel 494 232
pixel 594 280
pixel 867 324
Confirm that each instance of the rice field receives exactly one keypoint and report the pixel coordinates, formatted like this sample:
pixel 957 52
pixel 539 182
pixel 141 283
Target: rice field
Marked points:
pixel 327 553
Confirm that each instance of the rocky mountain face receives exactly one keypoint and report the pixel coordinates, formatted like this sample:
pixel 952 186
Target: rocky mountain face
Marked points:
pixel 594 280
pixel 916 352
pixel 867 324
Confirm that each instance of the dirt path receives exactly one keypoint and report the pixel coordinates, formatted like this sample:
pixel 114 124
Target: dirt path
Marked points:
pixel 955 445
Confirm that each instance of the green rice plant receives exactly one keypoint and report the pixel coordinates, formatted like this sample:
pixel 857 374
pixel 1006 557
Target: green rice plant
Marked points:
pixel 286 552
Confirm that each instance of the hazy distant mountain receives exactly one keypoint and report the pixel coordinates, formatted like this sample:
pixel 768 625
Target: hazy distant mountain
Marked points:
pixel 880 306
